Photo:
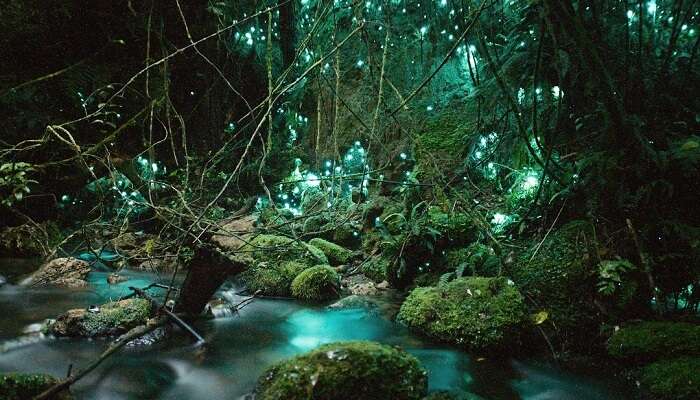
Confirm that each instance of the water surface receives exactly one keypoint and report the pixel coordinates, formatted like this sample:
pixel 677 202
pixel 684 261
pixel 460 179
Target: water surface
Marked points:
pixel 242 345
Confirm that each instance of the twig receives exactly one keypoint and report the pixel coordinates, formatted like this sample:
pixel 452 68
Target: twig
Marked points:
pixel 177 320
pixel 113 348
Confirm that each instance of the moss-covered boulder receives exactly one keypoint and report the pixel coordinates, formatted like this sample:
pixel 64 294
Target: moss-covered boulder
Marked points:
pixel 273 279
pixel 346 371
pixel 479 314
pixel 651 340
pixel 675 379
pixel 113 318
pixel 19 386
pixel 336 254
pixel 276 249
pixel 376 268
pixel 317 283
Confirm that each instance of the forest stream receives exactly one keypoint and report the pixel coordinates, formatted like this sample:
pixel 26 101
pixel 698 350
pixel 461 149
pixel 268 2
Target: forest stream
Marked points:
pixel 241 346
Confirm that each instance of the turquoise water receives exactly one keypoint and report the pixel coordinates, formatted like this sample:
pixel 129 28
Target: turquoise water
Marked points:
pixel 242 345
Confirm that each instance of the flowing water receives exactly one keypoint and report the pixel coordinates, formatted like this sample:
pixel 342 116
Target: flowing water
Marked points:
pixel 241 345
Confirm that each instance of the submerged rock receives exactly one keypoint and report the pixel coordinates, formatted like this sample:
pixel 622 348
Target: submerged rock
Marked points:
pixel 480 314
pixel 317 283
pixel 113 318
pixel 66 272
pixel 19 386
pixel 115 278
pixel 336 254
pixel 344 371
pixel 354 302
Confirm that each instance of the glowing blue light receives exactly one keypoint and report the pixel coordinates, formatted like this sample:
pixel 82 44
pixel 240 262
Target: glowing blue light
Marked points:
pixel 499 219
pixel 312 180
pixel 403 156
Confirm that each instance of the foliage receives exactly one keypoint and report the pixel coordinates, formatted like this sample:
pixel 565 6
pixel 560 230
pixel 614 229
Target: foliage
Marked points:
pixel 480 314
pixel 15 182
pixel 316 284
pixel 344 371
pixel 611 273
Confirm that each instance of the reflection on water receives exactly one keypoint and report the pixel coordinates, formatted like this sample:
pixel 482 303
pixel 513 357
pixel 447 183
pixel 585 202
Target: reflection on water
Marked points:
pixel 242 345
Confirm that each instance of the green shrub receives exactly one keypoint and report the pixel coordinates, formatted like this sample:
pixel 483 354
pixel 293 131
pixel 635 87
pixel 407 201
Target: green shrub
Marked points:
pixel 676 379
pixel 336 254
pixel 345 371
pixel 317 283
pixel 479 314
pixel 19 386
pixel 651 340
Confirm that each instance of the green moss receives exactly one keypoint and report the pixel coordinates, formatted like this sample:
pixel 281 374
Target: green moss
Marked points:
pixel 273 279
pixel 479 314
pixel 275 249
pixel 676 379
pixel 375 268
pixel 18 386
pixel 654 339
pixel 317 283
pixel 336 254
pixel 113 318
pixel 345 371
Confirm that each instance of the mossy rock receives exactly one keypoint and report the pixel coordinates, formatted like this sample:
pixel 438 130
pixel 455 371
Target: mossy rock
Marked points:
pixel 346 371
pixel 317 283
pixel 479 314
pixel 20 386
pixel 113 318
pixel 675 379
pixel 276 249
pixel 335 254
pixel 376 268
pixel 273 279
pixel 651 340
